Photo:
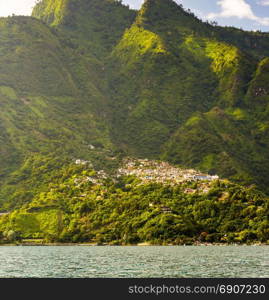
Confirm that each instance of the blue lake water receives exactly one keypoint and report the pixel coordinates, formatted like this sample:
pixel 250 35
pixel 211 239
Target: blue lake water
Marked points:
pixel 134 262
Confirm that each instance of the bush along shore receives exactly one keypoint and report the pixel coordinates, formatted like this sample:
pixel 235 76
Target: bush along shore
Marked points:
pixel 135 206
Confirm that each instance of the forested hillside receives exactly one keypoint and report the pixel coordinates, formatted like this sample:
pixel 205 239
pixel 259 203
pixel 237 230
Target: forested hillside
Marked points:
pixel 94 81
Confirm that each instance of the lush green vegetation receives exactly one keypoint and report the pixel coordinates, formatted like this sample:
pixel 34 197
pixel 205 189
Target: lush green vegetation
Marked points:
pixel 97 81
pixel 49 110
pixel 124 211
pixel 91 26
pixel 170 69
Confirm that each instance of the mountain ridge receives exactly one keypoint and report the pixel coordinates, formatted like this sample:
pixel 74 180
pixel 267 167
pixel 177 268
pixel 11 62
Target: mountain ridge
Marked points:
pixel 96 81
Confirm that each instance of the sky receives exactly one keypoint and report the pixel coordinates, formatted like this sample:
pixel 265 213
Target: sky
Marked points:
pixel 246 14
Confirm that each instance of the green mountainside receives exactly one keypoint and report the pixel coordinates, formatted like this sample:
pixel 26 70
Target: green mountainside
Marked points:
pixel 89 26
pixel 48 110
pixel 93 80
pixel 184 96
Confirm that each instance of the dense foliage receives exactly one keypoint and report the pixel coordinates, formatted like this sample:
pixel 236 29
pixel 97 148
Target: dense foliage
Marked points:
pixel 180 92
pixel 95 80
pixel 125 211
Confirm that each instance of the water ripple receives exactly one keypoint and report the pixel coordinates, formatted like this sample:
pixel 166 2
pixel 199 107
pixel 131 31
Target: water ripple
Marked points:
pixel 134 262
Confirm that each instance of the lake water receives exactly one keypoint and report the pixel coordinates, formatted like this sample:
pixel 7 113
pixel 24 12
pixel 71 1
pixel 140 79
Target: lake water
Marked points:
pixel 178 261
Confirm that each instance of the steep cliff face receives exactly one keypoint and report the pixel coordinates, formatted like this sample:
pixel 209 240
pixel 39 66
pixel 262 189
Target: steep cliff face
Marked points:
pixel 95 25
pixel 180 92
pixel 81 78
pixel 49 107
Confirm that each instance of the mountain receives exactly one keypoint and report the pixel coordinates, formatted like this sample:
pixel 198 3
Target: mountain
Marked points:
pixel 93 25
pixel 49 111
pixel 180 92
pixel 94 81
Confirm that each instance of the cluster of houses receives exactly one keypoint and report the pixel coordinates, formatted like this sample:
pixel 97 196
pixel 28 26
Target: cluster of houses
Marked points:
pixel 83 162
pixel 152 171
pixel 203 188
pixel 96 179
pixel 260 92
pixel 161 172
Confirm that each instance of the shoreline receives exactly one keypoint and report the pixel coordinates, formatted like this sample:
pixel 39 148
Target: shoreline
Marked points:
pixel 29 244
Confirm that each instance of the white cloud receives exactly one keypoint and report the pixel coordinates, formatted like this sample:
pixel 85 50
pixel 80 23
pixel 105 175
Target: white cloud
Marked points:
pixel 239 9
pixel 18 7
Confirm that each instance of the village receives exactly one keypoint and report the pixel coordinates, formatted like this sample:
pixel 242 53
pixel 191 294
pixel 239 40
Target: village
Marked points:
pixel 149 171
pixel 161 172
